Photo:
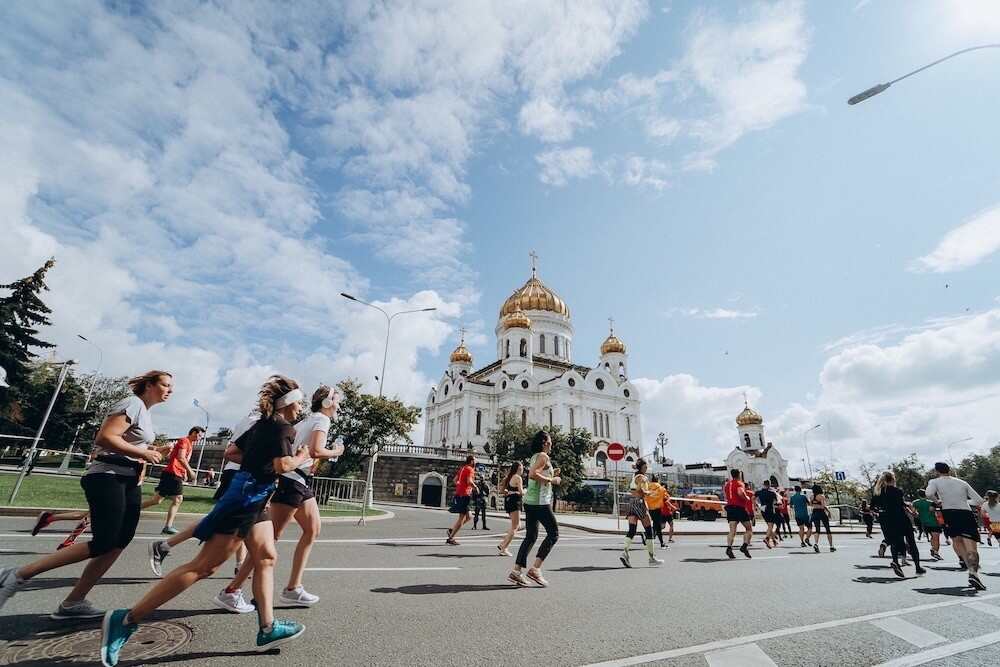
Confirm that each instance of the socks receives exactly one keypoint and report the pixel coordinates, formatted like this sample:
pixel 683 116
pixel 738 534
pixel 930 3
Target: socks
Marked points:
pixel 649 548
pixel 628 543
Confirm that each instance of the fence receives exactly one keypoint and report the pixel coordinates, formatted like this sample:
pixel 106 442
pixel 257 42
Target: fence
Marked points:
pixel 337 489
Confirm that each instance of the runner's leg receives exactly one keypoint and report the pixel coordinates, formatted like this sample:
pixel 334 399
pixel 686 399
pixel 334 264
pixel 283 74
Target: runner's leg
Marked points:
pixel 307 516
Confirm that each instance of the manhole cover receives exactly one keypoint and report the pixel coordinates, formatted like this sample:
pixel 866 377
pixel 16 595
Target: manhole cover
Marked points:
pixel 151 641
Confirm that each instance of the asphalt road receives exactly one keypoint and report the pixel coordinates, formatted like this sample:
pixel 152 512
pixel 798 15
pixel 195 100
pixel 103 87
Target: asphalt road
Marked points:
pixel 397 595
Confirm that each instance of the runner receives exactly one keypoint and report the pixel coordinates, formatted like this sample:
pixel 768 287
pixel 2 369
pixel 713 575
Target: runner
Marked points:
pixel 113 487
pixel 820 516
pixel 669 509
pixel 896 522
pixel 985 517
pixel 463 496
pixel 992 509
pixel 173 475
pixel 480 495
pixel 960 523
pixel 266 451
pixel 737 497
pixel 512 488
pixel 800 504
pixel 927 519
pixel 784 519
pixel 294 498
pixel 537 509
pixel 868 516
pixel 654 503
pixel 639 489
pixel 767 499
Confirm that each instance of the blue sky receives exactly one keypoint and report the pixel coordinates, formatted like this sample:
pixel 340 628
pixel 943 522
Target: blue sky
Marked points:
pixel 211 176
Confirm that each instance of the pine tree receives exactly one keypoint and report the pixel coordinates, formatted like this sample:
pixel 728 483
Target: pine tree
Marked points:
pixel 22 312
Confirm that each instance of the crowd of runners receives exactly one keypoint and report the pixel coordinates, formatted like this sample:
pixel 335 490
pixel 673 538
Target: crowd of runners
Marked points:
pixel 265 484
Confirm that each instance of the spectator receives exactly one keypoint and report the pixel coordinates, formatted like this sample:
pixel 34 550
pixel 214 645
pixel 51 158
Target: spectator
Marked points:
pixel 480 492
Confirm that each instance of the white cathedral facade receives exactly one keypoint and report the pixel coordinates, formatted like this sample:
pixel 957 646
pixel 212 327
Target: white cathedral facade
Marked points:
pixel 534 380
pixel 758 461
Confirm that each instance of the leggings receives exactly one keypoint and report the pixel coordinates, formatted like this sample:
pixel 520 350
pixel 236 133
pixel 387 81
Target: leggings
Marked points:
pixel 657 516
pixel 820 517
pixel 533 515
pixel 480 511
pixel 115 503
pixel 901 540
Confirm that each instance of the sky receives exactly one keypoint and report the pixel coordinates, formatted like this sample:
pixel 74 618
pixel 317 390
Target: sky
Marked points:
pixel 211 176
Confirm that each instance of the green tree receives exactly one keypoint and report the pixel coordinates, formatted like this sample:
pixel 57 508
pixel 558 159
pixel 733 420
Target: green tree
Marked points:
pixel 982 472
pixel 512 442
pixel 851 491
pixel 22 312
pixel 911 475
pixel 108 390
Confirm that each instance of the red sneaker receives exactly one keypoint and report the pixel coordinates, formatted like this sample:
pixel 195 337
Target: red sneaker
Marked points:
pixel 44 519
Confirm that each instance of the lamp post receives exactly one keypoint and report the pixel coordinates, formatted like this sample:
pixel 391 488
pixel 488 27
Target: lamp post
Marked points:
pixel 41 427
pixel 805 446
pixel 875 90
pixel 201 452
pixel 64 466
pixel 661 442
pixel 950 457
pixel 369 494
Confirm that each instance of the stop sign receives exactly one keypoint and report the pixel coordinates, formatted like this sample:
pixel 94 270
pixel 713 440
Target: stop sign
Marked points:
pixel 616 452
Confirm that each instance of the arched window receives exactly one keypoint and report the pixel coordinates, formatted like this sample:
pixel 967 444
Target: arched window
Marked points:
pixel 572 419
pixel 507 349
pixel 524 348
pixel 479 422
pixel 621 369
pixel 602 461
pixel 541 344
pixel 746 440
pixel 550 418
pixel 595 424
pixel 628 427
pixel 607 426
pixel 555 344
pixel 446 390
pixel 607 366
pixel 524 418
pixel 760 437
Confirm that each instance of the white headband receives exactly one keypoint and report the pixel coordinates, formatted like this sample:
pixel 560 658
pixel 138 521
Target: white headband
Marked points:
pixel 294 396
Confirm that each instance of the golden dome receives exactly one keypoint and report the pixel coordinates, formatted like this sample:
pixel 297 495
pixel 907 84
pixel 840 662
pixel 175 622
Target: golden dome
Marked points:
pixel 534 295
pixel 461 355
pixel 515 320
pixel 749 417
pixel 612 344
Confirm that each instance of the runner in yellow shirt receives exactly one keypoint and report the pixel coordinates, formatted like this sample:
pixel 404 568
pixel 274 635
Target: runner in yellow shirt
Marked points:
pixel 655 497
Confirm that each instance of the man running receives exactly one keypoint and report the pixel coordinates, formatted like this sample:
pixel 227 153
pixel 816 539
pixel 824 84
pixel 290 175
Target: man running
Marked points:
pixel 766 499
pixel 800 504
pixel 173 476
pixel 737 497
pixel 463 495
pixel 927 520
pixel 960 522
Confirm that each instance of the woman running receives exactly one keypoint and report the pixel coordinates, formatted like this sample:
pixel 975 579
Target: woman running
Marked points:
pixel 896 522
pixel 513 492
pixel 294 498
pixel 537 509
pixel 639 488
pixel 992 509
pixel 113 487
pixel 820 515
pixel 266 451
pixel 868 516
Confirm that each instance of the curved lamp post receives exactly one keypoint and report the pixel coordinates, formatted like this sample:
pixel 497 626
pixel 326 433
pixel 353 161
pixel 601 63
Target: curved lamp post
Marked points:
pixel 64 466
pixel 201 452
pixel 805 446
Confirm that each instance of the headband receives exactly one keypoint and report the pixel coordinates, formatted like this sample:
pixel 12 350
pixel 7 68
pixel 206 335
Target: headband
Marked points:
pixel 294 396
pixel 328 401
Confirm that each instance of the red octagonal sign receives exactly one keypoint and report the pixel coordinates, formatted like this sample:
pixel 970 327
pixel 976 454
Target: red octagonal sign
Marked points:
pixel 616 451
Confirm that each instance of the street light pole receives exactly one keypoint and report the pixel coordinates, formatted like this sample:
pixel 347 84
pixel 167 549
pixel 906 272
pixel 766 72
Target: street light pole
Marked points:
pixel 369 493
pixel 952 458
pixel 64 466
pixel 805 446
pixel 875 90
pixel 201 452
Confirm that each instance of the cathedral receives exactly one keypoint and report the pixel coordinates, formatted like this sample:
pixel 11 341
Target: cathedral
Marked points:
pixel 757 460
pixel 534 380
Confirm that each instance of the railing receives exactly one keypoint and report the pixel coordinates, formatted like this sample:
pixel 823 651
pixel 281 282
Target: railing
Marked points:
pixel 445 452
pixel 341 490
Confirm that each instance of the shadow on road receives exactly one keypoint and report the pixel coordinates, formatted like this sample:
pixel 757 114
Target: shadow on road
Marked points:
pixel 872 567
pixel 457 555
pixel 4 552
pixel 405 544
pixel 439 589
pixel 195 655
pixel 945 569
pixel 41 584
pixel 877 580
pixel 589 568
pixel 708 560
pixel 956 591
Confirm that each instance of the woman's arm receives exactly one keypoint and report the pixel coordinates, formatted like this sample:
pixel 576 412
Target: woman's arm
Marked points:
pixel 283 464
pixel 233 453
pixel 317 446
pixel 536 470
pixel 110 438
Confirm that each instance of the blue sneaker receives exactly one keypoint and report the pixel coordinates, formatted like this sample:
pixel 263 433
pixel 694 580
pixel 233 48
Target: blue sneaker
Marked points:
pixel 114 634
pixel 281 632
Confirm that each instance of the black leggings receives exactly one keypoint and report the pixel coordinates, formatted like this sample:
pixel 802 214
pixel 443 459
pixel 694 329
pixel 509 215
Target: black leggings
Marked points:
pixel 115 503
pixel 657 516
pixel 901 540
pixel 533 515
pixel 480 511
pixel 819 517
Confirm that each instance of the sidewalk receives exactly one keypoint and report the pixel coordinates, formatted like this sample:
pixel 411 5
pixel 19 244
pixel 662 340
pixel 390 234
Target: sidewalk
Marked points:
pixel 606 524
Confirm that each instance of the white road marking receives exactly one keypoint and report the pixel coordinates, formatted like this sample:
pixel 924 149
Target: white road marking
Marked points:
pixel 991 609
pixel 784 632
pixel 945 651
pixel 377 569
pixel 749 655
pixel 909 632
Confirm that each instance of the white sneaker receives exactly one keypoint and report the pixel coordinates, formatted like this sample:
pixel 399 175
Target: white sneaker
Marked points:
pixel 82 609
pixel 654 561
pixel 234 602
pixel 8 584
pixel 299 596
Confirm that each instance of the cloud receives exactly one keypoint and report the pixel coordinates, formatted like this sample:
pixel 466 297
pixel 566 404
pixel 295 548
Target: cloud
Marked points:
pixel 645 172
pixel 713 313
pixel 965 246
pixel 559 165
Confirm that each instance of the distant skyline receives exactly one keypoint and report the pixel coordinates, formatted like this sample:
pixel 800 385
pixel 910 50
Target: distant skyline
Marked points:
pixel 210 177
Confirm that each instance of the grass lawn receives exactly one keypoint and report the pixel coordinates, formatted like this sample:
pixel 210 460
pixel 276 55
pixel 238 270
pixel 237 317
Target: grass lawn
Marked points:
pixel 65 492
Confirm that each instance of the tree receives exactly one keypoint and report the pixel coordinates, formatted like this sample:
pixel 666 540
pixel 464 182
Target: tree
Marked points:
pixel 513 443
pixel 21 313
pixel 851 491
pixel 366 424
pixel 911 475
pixel 870 473
pixel 981 472
pixel 108 390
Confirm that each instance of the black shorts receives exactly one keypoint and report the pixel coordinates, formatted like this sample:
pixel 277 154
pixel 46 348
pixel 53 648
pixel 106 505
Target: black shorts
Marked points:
pixel 931 529
pixel 292 492
pixel 512 503
pixel 115 502
pixel 667 516
pixel 770 517
pixel 240 523
pixel 737 514
pixel 961 523
pixel 170 485
pixel 461 504
pixel 820 519
pixel 802 520
pixel 227 477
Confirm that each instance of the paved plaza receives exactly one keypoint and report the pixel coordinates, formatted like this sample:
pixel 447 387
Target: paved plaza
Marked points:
pixel 394 594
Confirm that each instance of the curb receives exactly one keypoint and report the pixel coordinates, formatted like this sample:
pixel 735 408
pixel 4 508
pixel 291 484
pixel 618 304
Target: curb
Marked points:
pixel 35 511
pixel 604 531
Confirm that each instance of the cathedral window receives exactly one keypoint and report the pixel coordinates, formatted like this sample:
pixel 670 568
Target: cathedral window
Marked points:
pixel 541 344
pixel 746 440
pixel 458 422
pixel 628 427
pixel 572 419
pixel 607 427
pixel 555 344
pixel 524 418
pixel 571 382
pixel 524 384
pixel 446 390
pixel 524 348
pixel 607 366
pixel 627 394
pixel 595 425
pixel 599 384
pixel 479 422
pixel 507 349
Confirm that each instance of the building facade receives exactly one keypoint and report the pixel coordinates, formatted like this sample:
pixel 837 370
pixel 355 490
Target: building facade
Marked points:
pixel 753 455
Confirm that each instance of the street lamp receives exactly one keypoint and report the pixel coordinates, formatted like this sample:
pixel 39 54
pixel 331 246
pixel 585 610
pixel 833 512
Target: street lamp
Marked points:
pixel 201 452
pixel 369 494
pixel 661 442
pixel 805 446
pixel 875 90
pixel 950 457
pixel 64 466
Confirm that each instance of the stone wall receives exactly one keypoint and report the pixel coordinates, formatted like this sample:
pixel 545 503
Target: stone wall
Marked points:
pixel 397 476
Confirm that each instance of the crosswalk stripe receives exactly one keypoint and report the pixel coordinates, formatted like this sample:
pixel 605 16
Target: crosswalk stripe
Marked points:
pixel 991 609
pixel 945 651
pixel 908 632
pixel 748 655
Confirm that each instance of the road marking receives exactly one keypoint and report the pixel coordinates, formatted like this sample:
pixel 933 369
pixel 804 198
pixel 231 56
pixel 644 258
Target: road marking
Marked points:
pixel 740 656
pixel 784 632
pixel 909 632
pixel 377 569
pixel 945 651
pixel 985 608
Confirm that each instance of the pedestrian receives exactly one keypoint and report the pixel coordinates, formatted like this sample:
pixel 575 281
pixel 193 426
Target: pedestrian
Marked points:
pixel 654 503
pixel 174 474
pixel 480 494
pixel 820 516
pixel 800 505
pixel 985 517
pixel 957 499
pixel 537 509
pixel 927 519
pixel 463 496
pixel 896 523
pixel 767 500
pixel 668 511
pixel 868 516
pixel 737 496
pixel 210 476
pixel 294 498
pixel 266 451
pixel 113 487
pixel 992 509
pixel 512 488
pixel 784 520
pixel 637 511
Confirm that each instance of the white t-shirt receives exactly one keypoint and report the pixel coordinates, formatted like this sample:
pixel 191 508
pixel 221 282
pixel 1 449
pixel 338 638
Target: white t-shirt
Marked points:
pixel 316 421
pixel 139 433
pixel 954 493
pixel 242 427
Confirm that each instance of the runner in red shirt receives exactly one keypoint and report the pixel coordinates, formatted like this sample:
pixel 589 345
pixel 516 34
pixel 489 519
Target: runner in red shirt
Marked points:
pixel 739 508
pixel 173 476
pixel 463 493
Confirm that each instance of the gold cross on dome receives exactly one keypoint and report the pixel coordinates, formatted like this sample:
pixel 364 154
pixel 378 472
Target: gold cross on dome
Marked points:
pixel 462 331
pixel 534 261
pixel 611 325
pixel 746 403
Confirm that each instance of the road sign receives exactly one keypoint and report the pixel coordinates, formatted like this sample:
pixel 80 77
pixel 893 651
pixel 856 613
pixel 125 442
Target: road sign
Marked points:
pixel 840 475
pixel 616 452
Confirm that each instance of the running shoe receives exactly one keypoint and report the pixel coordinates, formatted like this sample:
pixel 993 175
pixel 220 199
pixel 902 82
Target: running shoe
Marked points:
pixel 114 634
pixel 664 546
pixel 654 561
pixel 517 579
pixel 671 540
pixel 808 543
pixel 234 602
pixel 897 568
pixel 452 541
pixel 936 556
pixel 767 543
pixel 280 633
pixel 156 556
pixel 169 530
pixel 905 563
pixel 299 596
pixel 44 519
pixel 920 570
pixel 501 551
pixel 881 550
pixel 803 545
pixel 729 552
pixel 79 610
pixel 8 584
pixel 976 582
pixel 962 566
pixel 71 538
pixel 816 547
pixel 745 549
pixel 832 549
pixel 625 559
pixel 537 577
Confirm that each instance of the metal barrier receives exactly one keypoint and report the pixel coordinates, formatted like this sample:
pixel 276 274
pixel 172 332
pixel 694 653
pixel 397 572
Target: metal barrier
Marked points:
pixel 341 490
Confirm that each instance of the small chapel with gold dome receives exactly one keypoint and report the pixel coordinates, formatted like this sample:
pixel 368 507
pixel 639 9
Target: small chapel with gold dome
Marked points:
pixel 754 455
pixel 534 380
